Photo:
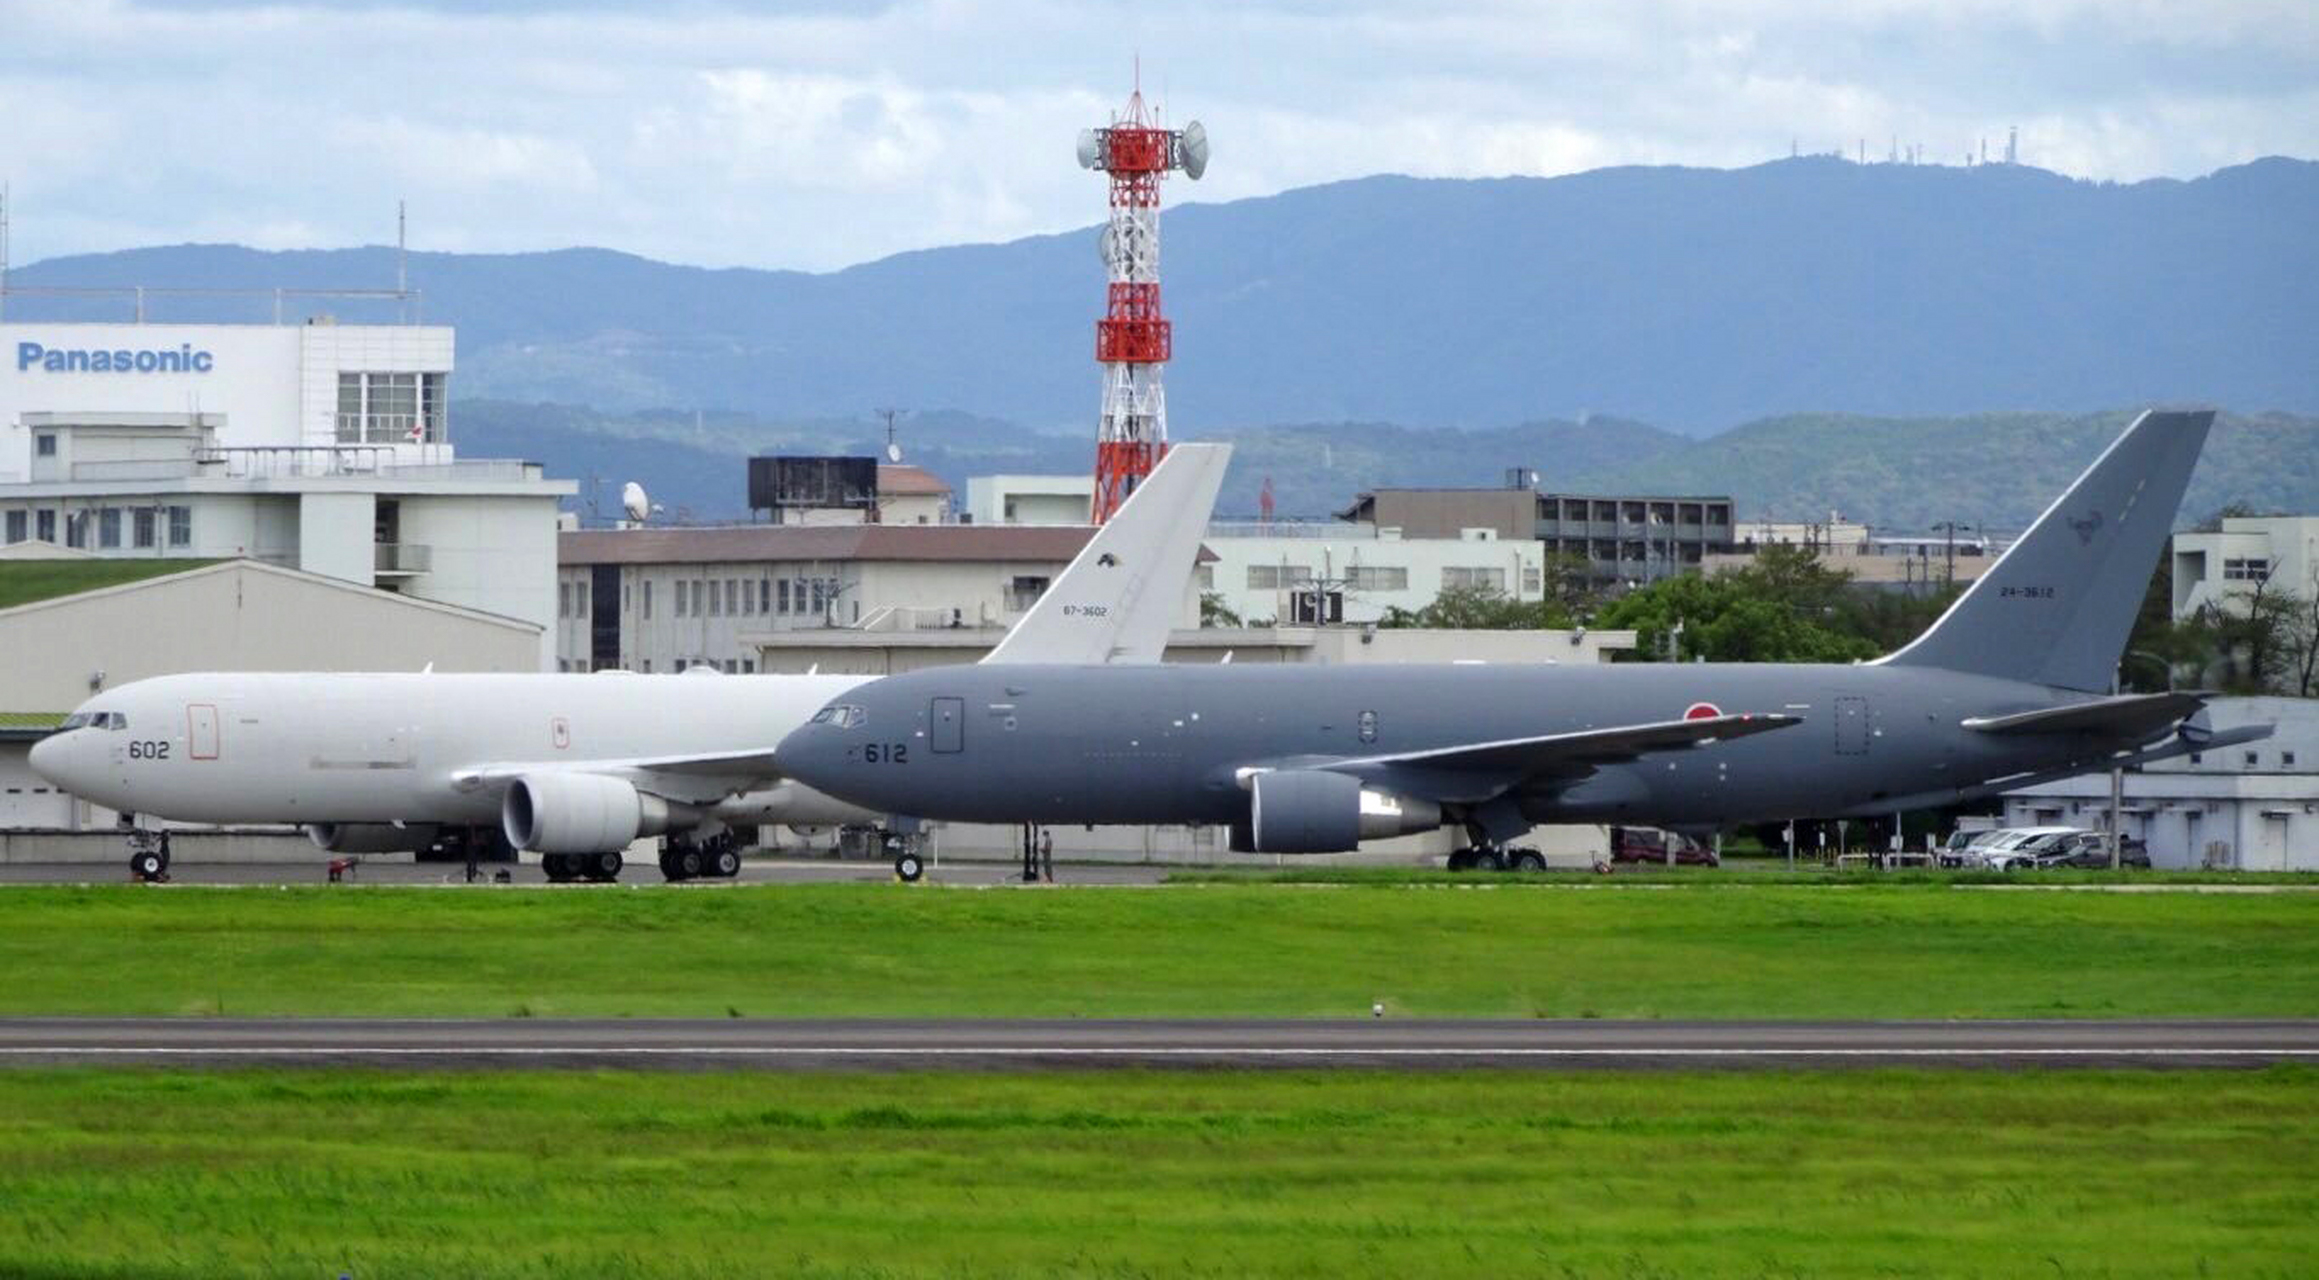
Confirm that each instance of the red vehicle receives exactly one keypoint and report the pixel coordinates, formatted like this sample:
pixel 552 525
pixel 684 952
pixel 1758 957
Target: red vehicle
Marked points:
pixel 1649 844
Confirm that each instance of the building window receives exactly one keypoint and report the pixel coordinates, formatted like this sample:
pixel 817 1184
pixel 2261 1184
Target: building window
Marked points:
pixel 1453 578
pixel 44 444
pixel 648 666
pixel 2253 569
pixel 181 526
pixel 109 528
pixel 580 599
pixel 732 597
pixel 648 604
pixel 2252 759
pixel 1024 592
pixel 390 408
pixel 748 666
pixel 1533 580
pixel 144 527
pixel 683 590
pixel 765 596
pixel 714 602
pixel 1377 578
pixel 44 526
pixel 1272 577
pixel 16 525
pixel 563 599
pixel 2286 759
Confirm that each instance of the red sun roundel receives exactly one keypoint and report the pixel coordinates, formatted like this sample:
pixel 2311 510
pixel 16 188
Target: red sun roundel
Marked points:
pixel 1702 711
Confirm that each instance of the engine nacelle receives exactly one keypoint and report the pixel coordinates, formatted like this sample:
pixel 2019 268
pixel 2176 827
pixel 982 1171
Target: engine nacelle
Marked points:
pixel 578 813
pixel 372 837
pixel 1315 811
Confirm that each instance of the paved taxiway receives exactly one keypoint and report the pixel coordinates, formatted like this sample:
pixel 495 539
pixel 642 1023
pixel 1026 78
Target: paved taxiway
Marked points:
pixel 982 1044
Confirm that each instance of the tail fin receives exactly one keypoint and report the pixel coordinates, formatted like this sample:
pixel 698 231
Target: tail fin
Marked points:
pixel 1119 599
pixel 2057 607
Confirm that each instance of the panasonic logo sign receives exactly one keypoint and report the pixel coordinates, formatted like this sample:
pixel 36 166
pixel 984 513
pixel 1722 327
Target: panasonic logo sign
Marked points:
pixel 184 359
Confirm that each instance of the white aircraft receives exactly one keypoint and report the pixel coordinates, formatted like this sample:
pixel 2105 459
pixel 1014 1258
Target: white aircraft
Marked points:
pixel 573 767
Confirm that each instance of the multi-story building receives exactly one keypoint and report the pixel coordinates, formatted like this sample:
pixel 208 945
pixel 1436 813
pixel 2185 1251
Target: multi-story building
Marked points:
pixel 1621 539
pixel 1294 573
pixel 2224 567
pixel 320 447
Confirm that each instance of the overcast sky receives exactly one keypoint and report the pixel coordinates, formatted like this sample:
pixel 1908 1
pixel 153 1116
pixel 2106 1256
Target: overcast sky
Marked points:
pixel 815 134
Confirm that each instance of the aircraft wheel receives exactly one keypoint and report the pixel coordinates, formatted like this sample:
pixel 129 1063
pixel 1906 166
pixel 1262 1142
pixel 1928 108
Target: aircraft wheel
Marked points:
pixel 725 864
pixel 557 867
pixel 688 863
pixel 604 866
pixel 668 868
pixel 909 868
pixel 1460 860
pixel 147 865
pixel 1488 860
pixel 1529 860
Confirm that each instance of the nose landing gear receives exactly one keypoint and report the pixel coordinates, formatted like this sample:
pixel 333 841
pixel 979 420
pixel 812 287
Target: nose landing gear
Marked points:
pixel 149 856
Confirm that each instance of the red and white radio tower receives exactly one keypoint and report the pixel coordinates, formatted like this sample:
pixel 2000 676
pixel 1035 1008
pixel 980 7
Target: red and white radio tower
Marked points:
pixel 1132 339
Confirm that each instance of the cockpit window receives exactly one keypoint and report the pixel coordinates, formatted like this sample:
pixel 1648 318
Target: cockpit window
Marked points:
pixel 93 720
pixel 841 715
pixel 77 720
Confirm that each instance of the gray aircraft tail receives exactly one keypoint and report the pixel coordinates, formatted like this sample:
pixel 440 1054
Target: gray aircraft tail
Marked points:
pixel 2057 607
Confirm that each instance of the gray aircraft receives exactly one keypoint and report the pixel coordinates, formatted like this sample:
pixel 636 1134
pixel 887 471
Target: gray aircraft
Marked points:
pixel 2009 687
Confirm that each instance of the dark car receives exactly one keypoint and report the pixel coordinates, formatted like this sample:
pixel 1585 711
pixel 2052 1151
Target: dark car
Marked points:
pixel 2090 850
pixel 1648 844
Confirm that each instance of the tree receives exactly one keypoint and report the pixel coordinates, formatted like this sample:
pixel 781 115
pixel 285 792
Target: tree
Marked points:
pixel 1215 613
pixel 2302 640
pixel 1785 608
pixel 1479 609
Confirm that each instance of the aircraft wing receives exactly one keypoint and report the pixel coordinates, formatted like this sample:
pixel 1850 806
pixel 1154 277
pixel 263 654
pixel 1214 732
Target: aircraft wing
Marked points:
pixel 2131 716
pixel 692 778
pixel 1514 761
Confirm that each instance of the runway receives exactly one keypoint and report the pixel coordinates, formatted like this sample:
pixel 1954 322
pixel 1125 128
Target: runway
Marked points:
pixel 919 1044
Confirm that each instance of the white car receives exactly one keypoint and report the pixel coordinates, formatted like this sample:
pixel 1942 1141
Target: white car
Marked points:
pixel 2018 845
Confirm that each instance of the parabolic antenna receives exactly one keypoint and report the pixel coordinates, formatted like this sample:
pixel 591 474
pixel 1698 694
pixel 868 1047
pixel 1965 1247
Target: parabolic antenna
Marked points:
pixel 1107 245
pixel 1195 150
pixel 1090 149
pixel 633 501
pixel 893 452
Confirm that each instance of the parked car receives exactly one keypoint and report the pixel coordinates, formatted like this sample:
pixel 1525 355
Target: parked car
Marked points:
pixel 1649 844
pixel 1963 847
pixel 2090 850
pixel 1999 850
pixel 2040 846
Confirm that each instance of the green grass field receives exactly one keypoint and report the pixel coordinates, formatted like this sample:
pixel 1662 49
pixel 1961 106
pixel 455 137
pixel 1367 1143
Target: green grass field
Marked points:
pixel 1708 950
pixel 1890 1174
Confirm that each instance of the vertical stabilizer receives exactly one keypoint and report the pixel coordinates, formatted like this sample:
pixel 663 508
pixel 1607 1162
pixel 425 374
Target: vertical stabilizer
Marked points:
pixel 1121 597
pixel 2057 607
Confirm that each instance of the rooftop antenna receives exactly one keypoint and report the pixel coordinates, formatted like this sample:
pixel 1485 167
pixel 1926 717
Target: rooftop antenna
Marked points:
pixel 893 446
pixel 2013 144
pixel 402 267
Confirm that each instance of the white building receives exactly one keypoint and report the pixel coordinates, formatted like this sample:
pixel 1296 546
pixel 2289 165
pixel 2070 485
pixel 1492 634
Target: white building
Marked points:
pixel 669 598
pixel 319 447
pixel 2246 808
pixel 1030 499
pixel 1274 572
pixel 2225 567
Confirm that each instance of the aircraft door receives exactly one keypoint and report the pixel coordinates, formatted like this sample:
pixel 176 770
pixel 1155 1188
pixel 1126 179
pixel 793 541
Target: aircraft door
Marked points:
pixel 946 724
pixel 1851 726
pixel 201 731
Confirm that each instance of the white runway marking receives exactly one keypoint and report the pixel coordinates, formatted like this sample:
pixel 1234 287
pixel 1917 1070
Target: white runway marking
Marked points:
pixel 1114 1051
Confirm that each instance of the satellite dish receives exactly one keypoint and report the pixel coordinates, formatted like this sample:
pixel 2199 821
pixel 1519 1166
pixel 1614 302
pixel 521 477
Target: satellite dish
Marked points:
pixel 633 501
pixel 1194 150
pixel 1090 149
pixel 893 452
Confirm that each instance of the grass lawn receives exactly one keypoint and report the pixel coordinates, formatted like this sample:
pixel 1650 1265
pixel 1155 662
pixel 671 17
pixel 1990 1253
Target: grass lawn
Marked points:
pixel 2063 1173
pixel 1500 950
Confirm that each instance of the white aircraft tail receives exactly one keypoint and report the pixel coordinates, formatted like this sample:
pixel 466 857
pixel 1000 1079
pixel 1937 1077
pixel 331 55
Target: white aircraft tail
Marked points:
pixel 1121 597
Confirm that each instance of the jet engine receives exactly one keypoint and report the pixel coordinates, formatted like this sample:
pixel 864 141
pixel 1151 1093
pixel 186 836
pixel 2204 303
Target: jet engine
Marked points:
pixel 372 837
pixel 579 813
pixel 1315 811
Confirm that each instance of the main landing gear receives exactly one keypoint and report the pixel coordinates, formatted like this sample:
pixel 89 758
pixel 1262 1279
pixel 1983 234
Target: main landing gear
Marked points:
pixel 1490 857
pixel 716 857
pixel 563 868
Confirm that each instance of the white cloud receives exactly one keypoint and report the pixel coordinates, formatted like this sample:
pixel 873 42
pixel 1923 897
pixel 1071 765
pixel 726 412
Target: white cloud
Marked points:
pixel 818 133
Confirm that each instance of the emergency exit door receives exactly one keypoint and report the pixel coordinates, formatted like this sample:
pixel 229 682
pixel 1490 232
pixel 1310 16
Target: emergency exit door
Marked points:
pixel 1851 726
pixel 946 724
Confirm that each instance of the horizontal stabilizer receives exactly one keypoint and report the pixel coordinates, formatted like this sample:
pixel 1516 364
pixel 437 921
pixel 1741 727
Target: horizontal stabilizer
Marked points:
pixel 2100 763
pixel 1562 753
pixel 2133 716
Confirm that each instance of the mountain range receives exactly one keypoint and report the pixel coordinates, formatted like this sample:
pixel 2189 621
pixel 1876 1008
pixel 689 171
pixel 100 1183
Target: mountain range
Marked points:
pixel 1693 299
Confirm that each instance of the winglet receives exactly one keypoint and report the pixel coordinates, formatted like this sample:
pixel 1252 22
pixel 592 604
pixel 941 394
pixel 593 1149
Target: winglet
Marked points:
pixel 1121 596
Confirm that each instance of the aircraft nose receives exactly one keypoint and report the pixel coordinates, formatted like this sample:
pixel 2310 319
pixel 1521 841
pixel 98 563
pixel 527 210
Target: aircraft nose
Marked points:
pixel 47 758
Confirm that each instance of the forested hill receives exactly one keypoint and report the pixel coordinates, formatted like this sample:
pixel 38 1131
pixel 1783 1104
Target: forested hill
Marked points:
pixel 1693 299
